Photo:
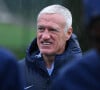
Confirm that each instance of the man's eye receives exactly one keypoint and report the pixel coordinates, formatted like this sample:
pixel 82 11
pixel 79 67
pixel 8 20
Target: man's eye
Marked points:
pixel 40 29
pixel 54 30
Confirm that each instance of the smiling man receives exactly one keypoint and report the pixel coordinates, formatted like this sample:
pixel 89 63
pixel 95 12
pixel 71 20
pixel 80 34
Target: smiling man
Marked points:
pixel 54 46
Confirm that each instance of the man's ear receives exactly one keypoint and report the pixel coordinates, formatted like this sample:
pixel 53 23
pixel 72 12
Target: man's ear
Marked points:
pixel 69 33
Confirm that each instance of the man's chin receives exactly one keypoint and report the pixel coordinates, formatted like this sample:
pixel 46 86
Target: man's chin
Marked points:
pixel 47 53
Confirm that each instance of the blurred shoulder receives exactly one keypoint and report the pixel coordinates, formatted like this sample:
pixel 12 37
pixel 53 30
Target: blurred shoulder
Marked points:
pixel 7 58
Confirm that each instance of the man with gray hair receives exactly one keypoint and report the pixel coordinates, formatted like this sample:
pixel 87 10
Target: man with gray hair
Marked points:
pixel 54 46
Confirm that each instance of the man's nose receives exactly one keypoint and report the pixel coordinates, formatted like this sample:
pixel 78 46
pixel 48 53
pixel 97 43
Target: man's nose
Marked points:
pixel 46 34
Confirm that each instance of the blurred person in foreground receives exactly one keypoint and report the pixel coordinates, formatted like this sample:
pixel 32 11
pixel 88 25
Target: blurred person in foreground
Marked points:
pixel 54 46
pixel 83 74
pixel 9 71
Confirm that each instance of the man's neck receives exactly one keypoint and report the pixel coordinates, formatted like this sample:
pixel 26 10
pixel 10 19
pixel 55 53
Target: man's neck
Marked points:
pixel 48 60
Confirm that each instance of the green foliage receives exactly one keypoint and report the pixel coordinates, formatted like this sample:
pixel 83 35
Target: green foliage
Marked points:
pixel 16 37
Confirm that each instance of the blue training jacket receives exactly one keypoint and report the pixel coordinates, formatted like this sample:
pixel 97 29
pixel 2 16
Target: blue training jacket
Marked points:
pixel 33 67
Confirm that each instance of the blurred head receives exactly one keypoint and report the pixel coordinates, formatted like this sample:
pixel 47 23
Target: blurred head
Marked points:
pixel 94 31
pixel 54 28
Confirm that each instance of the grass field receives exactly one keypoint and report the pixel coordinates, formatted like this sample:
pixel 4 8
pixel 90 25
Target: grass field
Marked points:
pixel 15 36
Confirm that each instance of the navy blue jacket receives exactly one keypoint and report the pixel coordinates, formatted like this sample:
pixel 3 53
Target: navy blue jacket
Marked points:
pixel 83 74
pixel 36 75
pixel 9 72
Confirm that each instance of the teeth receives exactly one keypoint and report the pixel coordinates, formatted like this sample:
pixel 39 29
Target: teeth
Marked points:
pixel 46 43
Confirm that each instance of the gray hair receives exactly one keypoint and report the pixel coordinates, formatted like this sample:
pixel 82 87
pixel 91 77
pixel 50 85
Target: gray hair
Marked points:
pixel 59 9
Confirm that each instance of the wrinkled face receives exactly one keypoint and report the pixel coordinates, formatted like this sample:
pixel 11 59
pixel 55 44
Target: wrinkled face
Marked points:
pixel 51 38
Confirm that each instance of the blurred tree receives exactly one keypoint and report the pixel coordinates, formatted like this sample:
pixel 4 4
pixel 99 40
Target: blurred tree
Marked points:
pixel 76 7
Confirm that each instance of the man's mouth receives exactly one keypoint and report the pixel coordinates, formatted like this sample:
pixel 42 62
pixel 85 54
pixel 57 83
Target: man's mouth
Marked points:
pixel 46 43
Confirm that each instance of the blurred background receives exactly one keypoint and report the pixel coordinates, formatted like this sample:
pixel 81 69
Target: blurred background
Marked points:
pixel 18 21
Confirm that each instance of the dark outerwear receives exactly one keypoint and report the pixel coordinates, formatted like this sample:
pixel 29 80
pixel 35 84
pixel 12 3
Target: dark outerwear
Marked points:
pixel 33 67
pixel 10 79
pixel 84 74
